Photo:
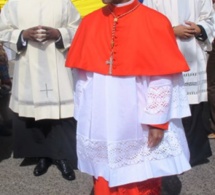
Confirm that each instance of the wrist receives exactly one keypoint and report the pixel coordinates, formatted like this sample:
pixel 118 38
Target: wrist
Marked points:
pixel 160 126
pixel 23 40
pixel 202 36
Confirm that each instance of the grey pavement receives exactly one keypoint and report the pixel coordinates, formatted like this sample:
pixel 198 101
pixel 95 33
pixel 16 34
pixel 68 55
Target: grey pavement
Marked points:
pixel 19 180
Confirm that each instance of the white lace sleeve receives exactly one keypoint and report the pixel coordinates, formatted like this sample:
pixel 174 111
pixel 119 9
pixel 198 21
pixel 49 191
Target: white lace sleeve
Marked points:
pixel 165 99
pixel 158 96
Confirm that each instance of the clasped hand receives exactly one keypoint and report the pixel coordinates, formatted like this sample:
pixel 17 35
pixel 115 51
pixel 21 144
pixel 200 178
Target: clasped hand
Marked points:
pixel 189 30
pixel 41 34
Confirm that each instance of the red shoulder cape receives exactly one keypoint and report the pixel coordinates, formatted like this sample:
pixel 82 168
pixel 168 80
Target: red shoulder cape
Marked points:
pixel 144 43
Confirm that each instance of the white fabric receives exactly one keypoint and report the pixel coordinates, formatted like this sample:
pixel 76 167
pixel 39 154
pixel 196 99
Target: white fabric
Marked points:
pixel 112 130
pixel 42 86
pixel 124 3
pixel 10 54
pixel 195 52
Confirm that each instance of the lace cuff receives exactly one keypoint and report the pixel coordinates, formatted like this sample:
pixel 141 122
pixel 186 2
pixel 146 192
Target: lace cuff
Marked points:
pixel 165 99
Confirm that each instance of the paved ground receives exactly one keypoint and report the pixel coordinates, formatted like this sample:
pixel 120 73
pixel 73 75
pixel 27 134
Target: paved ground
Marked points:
pixel 19 180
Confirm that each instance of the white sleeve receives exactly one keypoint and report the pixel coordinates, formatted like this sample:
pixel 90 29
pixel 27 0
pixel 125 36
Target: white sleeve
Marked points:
pixel 9 33
pixel 165 99
pixel 206 20
pixel 72 19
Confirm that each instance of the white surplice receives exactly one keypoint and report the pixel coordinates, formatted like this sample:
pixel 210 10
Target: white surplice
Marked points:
pixel 42 86
pixel 112 131
pixel 201 12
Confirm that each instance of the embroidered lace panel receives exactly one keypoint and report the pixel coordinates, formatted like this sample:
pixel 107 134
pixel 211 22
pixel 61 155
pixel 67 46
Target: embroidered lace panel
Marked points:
pixel 160 98
pixel 128 152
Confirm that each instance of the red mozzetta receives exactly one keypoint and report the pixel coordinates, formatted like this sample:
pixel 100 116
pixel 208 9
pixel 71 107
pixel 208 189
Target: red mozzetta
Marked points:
pixel 141 47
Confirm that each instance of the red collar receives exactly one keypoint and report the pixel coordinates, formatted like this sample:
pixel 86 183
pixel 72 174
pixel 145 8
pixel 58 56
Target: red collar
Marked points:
pixel 121 10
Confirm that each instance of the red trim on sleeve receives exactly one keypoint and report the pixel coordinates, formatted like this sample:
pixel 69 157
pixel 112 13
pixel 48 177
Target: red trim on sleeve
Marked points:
pixel 161 126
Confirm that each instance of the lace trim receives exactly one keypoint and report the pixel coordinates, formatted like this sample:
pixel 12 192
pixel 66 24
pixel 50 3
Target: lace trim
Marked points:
pixel 128 152
pixel 160 97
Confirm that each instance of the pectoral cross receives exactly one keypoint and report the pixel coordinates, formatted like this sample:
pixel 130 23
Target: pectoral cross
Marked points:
pixel 110 63
pixel 46 90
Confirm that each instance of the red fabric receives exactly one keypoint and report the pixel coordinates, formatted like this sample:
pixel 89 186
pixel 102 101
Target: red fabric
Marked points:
pixel 161 126
pixel 144 43
pixel 148 187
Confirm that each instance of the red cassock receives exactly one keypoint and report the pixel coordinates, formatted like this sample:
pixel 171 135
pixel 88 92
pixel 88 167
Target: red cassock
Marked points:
pixel 144 43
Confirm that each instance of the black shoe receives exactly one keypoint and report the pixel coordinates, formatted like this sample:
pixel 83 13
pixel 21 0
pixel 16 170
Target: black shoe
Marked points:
pixel 66 169
pixel 42 166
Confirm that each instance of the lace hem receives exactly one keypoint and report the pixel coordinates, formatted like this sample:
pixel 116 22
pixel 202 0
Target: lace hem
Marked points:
pixel 128 152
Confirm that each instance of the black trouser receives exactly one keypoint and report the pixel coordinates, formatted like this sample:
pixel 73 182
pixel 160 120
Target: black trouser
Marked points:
pixel 195 127
pixel 55 139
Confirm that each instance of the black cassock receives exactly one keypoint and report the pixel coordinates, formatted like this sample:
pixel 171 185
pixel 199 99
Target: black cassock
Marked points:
pixel 196 130
pixel 55 139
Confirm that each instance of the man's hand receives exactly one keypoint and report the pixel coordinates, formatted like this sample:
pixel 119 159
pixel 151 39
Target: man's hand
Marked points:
pixel 50 33
pixel 155 136
pixel 41 34
pixel 31 34
pixel 189 30
pixel 194 26
pixel 184 32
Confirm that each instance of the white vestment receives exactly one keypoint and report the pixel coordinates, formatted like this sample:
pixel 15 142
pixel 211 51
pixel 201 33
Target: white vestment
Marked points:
pixel 195 52
pixel 42 86
pixel 113 114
